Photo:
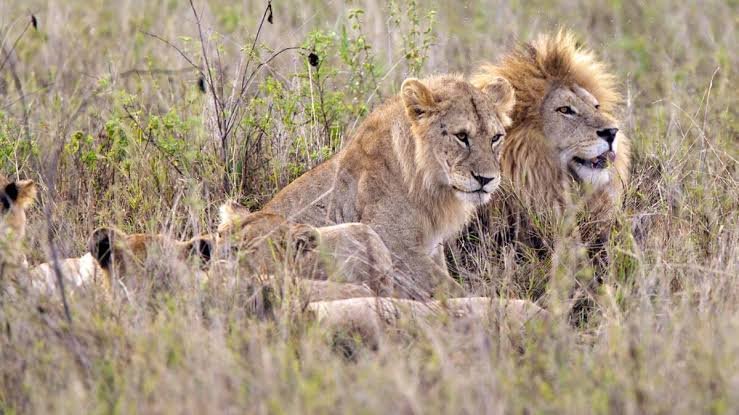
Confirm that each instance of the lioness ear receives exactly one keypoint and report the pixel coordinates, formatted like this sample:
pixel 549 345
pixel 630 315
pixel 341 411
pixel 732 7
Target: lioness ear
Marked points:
pixel 202 247
pixel 304 238
pixel 417 98
pixel 502 93
pixel 21 192
pixel 101 244
pixel 231 214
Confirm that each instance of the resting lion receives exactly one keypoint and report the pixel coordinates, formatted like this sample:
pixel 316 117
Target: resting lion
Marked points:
pixel 123 257
pixel 364 320
pixel 415 171
pixel 345 253
pixel 564 152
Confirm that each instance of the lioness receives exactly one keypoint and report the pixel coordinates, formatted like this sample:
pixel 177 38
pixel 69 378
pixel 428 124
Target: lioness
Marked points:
pixel 564 150
pixel 15 198
pixel 122 257
pixel 414 172
pixel 365 318
pixel 350 252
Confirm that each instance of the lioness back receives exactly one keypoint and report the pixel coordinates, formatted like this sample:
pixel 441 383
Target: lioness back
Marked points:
pixel 414 171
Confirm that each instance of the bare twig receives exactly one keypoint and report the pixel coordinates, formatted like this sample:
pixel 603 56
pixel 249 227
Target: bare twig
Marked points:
pixel 21 95
pixel 16 79
pixel 55 263
pixel 12 49
pixel 228 110
pixel 156 71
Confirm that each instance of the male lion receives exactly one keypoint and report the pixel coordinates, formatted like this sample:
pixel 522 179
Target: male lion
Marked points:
pixel 564 151
pixel 414 172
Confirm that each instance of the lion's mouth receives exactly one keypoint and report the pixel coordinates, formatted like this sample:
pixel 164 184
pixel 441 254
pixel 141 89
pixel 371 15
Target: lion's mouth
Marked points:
pixel 600 162
pixel 471 192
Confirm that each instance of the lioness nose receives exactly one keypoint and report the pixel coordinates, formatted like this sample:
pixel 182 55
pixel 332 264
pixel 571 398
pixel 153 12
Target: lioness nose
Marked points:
pixel 482 179
pixel 608 134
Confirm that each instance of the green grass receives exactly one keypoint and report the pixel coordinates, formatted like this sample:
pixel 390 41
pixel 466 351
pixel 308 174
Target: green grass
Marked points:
pixel 140 150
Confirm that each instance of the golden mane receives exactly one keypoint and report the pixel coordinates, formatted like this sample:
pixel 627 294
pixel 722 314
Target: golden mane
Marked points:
pixel 533 68
pixel 538 190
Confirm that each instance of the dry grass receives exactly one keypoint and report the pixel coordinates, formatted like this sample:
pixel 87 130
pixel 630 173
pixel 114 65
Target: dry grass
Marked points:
pixel 121 134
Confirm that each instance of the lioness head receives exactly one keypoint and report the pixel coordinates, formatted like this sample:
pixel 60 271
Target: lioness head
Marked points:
pixel 459 131
pixel 15 197
pixel 123 255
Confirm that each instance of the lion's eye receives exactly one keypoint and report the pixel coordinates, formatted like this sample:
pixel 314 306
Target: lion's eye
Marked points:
pixel 496 138
pixel 566 110
pixel 462 137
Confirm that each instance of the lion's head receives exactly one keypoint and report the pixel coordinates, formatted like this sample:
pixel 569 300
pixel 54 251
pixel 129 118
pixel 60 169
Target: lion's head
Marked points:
pixel 458 132
pixel 15 198
pixel 267 242
pixel 563 121
pixel 125 256
pixel 264 240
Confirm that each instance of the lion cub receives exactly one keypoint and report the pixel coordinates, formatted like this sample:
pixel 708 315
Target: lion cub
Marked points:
pixel 415 171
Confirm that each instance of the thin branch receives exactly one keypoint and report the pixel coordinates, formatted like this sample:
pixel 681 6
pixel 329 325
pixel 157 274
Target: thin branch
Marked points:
pixel 240 98
pixel 267 10
pixel 156 71
pixel 180 51
pixel 7 55
pixel 55 264
pixel 19 87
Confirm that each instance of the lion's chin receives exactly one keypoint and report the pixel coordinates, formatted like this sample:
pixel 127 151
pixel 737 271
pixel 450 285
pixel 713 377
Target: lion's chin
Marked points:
pixel 598 177
pixel 480 197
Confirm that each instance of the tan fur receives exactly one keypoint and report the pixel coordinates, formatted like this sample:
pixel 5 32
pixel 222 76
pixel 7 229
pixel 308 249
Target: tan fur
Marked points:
pixel 13 208
pixel 77 272
pixel 123 257
pixel 407 175
pixel 266 241
pixel 540 155
pixel 15 198
pixel 368 317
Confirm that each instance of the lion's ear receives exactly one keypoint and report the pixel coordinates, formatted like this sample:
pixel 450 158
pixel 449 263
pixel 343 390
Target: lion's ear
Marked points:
pixel 418 99
pixel 501 91
pixel 201 247
pixel 231 214
pixel 21 192
pixel 101 244
pixel 304 238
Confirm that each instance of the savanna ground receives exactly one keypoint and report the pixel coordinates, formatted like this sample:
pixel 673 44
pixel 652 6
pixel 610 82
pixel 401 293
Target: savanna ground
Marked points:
pixel 113 123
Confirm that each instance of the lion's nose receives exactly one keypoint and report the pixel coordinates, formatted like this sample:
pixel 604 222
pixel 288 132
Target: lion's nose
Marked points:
pixel 482 179
pixel 608 134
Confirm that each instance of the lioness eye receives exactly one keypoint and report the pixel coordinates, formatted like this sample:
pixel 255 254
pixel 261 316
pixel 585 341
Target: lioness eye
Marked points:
pixel 567 110
pixel 496 138
pixel 462 136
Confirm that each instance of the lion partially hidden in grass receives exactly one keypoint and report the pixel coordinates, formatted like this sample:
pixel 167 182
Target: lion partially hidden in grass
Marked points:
pixel 269 244
pixel 564 156
pixel 15 197
pixel 415 171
